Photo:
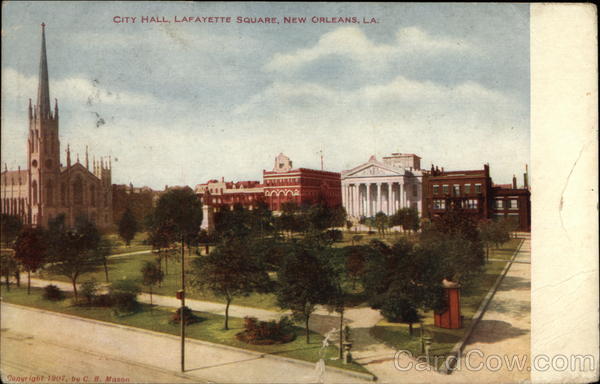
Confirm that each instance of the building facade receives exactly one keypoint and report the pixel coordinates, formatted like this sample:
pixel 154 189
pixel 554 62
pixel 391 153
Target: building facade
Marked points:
pixel 46 188
pixel 473 192
pixel 285 184
pixel 382 186
pixel 227 194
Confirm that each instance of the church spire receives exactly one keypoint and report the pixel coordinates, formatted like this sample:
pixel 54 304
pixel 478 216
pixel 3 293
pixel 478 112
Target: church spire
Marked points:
pixel 43 99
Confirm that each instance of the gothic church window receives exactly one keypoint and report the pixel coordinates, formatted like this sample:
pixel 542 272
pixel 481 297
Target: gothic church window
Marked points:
pixel 78 191
pixel 93 195
pixel 34 189
pixel 49 193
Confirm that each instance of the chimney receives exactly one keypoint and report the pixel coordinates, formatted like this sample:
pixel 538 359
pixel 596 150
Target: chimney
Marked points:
pixel 526 178
pixel 514 182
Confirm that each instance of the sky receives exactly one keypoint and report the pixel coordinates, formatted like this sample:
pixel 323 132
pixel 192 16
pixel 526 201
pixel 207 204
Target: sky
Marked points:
pixel 181 103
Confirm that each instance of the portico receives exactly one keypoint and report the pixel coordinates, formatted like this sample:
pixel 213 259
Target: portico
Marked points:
pixel 376 186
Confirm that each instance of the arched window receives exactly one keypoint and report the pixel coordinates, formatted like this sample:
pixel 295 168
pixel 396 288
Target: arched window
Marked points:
pixel 49 193
pixel 63 194
pixel 78 190
pixel 34 192
pixel 93 195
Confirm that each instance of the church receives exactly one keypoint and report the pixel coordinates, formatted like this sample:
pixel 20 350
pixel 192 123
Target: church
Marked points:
pixel 47 188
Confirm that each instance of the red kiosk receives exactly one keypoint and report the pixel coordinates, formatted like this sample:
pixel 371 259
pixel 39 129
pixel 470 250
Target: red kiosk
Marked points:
pixel 450 318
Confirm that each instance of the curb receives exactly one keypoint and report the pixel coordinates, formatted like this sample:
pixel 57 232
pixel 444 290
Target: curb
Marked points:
pixel 448 365
pixel 365 376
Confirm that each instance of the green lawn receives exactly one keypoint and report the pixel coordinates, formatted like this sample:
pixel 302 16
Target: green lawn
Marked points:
pixel 129 267
pixel 137 244
pixel 157 319
pixel 397 335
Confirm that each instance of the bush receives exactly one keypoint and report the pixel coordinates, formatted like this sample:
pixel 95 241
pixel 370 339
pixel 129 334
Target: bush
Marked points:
pixel 102 301
pixel 267 332
pixel 188 315
pixel 399 310
pixel 52 292
pixel 89 290
pixel 335 235
pixel 123 295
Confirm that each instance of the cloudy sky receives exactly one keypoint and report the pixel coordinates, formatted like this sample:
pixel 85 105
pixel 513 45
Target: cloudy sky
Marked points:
pixel 179 103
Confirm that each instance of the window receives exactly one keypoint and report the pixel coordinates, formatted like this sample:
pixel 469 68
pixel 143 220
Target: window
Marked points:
pixel 78 191
pixel 499 204
pixel 93 196
pixel 471 204
pixel 415 190
pixel 34 192
pixel 445 189
pixel 63 194
pixel 49 193
pixel 436 189
pixel 477 188
pixel 456 190
pixel 467 188
pixel 439 204
pixel 514 204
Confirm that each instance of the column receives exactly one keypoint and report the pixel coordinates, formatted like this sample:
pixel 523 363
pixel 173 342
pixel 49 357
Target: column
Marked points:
pixel 401 202
pixel 378 200
pixel 389 199
pixel 357 205
pixel 344 199
pixel 368 205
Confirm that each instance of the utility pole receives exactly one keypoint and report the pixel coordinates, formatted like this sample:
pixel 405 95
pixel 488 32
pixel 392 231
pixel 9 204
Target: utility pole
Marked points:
pixel 181 312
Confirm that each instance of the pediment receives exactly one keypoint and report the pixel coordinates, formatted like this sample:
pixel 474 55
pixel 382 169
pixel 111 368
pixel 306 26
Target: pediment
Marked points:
pixel 370 170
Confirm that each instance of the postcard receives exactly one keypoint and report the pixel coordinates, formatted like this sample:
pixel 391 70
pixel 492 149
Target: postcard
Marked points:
pixel 242 192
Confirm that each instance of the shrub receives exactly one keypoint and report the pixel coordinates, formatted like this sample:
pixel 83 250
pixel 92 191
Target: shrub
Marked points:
pixel 89 290
pixel 103 301
pixel 123 295
pixel 335 235
pixel 52 292
pixel 188 315
pixel 267 332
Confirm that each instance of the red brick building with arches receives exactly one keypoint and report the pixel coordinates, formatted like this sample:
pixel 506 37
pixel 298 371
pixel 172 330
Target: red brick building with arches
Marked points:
pixel 302 186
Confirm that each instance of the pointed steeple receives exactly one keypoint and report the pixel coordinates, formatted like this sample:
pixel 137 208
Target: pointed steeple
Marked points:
pixel 68 156
pixel 43 97
pixel 87 162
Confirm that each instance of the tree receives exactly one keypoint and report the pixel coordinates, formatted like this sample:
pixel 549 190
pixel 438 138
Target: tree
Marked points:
pixel 161 237
pixel 128 226
pixel 402 279
pixel 74 252
pixel 179 210
pixel 304 281
pixel 8 266
pixel 151 275
pixel 104 250
pixel 355 263
pixel 407 217
pixel 30 251
pixel 231 270
pixel 11 226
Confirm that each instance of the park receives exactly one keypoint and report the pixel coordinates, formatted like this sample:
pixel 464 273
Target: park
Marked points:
pixel 298 284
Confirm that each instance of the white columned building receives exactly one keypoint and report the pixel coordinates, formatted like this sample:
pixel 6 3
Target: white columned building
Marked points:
pixel 383 186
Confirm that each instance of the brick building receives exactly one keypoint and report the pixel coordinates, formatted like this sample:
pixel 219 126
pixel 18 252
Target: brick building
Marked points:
pixel 223 193
pixel 474 192
pixel 300 185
